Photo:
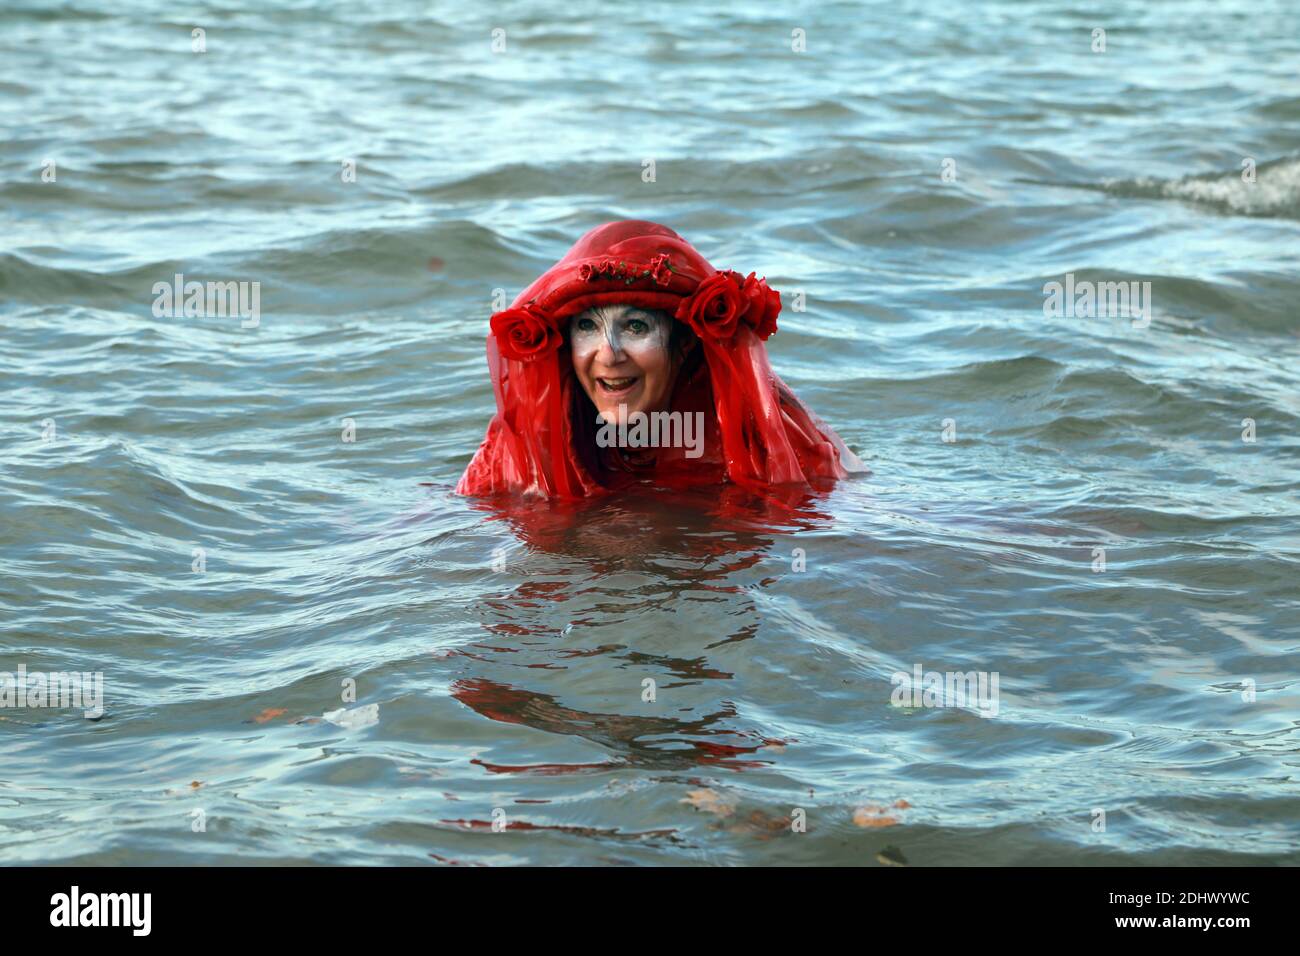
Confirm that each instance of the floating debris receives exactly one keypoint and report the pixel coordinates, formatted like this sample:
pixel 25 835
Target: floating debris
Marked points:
pixel 354 719
pixel 710 801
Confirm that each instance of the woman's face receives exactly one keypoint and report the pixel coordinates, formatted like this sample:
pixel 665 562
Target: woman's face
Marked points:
pixel 622 357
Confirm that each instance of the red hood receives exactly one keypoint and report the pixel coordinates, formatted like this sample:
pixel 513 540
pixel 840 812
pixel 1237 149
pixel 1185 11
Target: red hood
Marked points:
pixel 597 270
pixel 757 433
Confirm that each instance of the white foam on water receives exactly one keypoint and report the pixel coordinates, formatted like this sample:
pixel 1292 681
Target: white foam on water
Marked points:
pixel 1275 191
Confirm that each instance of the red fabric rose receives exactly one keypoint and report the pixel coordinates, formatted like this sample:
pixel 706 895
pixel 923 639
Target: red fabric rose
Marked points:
pixel 764 306
pixel 524 335
pixel 715 307
pixel 660 270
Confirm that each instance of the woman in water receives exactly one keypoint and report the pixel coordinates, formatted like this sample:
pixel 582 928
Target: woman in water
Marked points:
pixel 634 359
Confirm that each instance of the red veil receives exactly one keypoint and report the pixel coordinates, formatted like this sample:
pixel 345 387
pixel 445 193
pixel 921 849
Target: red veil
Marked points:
pixel 541 440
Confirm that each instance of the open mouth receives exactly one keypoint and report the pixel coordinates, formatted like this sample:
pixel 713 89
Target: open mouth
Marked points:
pixel 614 386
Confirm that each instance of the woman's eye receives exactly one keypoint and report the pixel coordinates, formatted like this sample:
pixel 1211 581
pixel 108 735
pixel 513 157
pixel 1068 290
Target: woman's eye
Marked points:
pixel 637 327
pixel 586 325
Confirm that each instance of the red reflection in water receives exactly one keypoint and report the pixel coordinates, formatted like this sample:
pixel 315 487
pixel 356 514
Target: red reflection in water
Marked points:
pixel 565 828
pixel 674 745
pixel 547 769
pixel 688 539
pixel 718 529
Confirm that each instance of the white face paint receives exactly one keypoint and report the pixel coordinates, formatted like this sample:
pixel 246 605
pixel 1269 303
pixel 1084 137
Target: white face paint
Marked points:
pixel 625 329
pixel 621 356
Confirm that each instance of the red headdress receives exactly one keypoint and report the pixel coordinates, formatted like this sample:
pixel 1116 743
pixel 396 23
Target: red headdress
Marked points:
pixel 757 432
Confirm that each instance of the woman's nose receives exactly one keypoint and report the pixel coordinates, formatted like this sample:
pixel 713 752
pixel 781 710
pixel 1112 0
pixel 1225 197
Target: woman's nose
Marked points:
pixel 610 351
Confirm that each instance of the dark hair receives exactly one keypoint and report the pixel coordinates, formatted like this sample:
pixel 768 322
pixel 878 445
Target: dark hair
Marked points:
pixel 677 331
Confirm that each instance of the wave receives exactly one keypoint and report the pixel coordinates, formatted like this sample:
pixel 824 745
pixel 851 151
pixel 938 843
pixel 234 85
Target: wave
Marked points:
pixel 1275 193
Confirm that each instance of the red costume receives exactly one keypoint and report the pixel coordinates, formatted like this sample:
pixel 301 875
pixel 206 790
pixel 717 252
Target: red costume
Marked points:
pixel 541 440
